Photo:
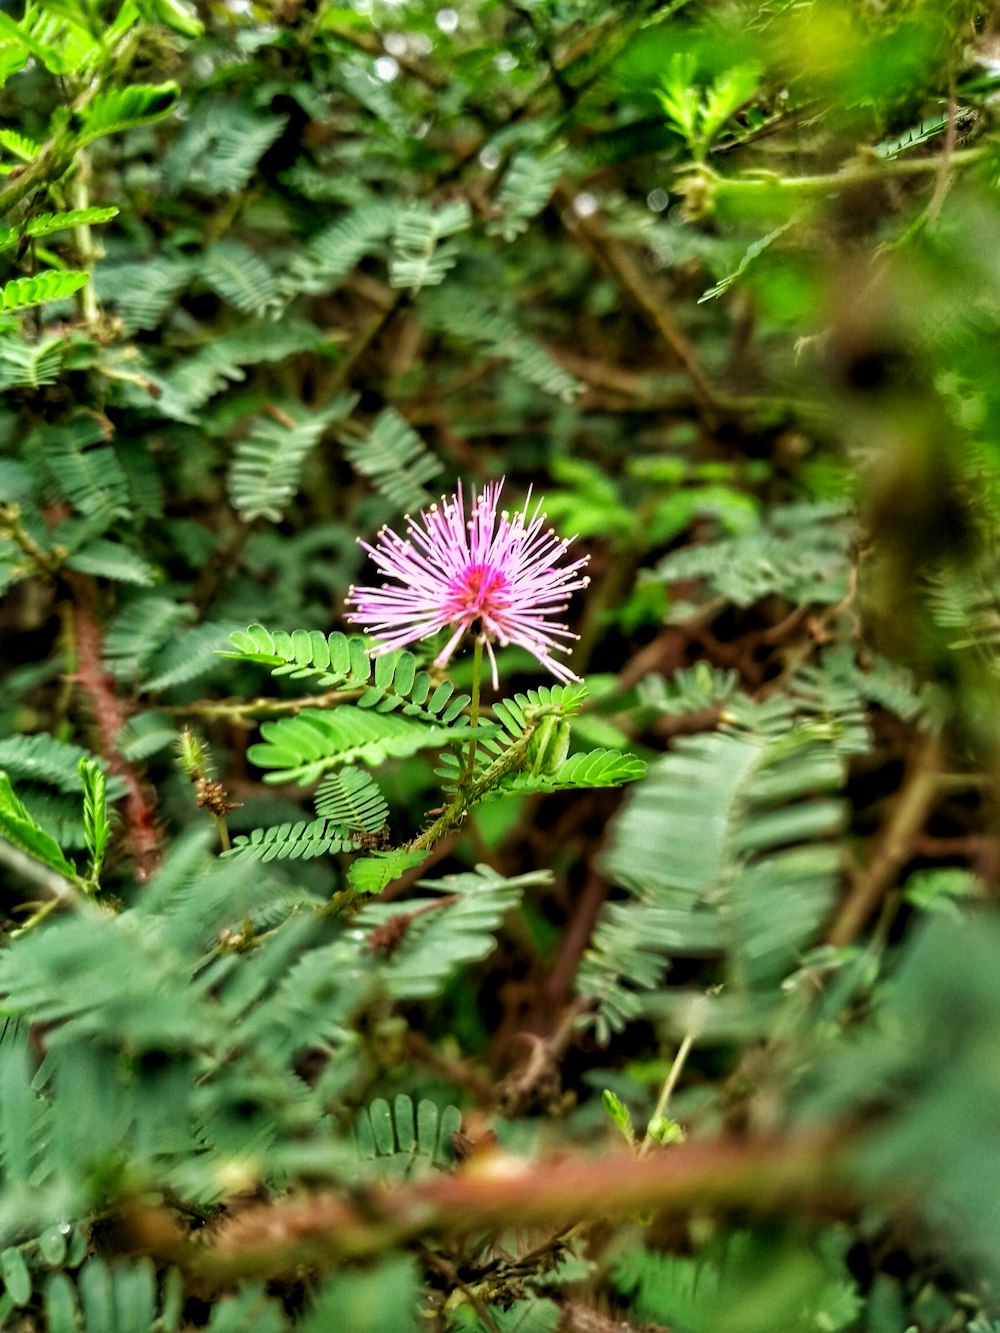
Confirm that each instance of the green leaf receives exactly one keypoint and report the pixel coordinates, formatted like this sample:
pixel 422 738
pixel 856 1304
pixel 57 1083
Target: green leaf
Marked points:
pixel 18 827
pixel 527 188
pixel 398 1136
pixel 16 1277
pixel 419 258
pixel 619 1114
pixel 332 253
pixel 267 467
pixel 96 825
pixel 239 276
pixel 49 285
pixel 301 841
pixel 353 800
pixel 371 874
pixel 746 866
pixel 60 1305
pixel 114 561
pixel 19 144
pixel 41 758
pixel 44 224
pixel 124 108
pixel 393 455
pixel 30 365
pixel 595 768
pixel 302 748
pixel 437 938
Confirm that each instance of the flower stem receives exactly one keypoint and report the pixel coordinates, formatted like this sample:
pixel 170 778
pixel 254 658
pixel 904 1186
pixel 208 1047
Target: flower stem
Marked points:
pixel 666 1092
pixel 477 672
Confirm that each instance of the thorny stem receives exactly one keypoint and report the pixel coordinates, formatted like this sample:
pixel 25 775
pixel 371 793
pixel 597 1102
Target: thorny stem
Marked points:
pixel 277 1237
pixel 455 813
pixel 109 714
pixel 477 673
pixel 667 1091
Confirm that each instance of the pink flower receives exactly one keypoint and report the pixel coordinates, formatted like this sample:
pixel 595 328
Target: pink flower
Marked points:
pixel 495 572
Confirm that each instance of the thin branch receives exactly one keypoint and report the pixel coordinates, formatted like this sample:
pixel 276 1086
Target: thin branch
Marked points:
pixel 895 843
pixel 615 260
pixel 109 715
pixel 947 154
pixel 666 1092
pixel 324 1228
pixel 239 709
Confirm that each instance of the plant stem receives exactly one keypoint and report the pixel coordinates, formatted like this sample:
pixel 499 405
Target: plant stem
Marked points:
pixel 477 673
pixel 82 235
pixel 667 1091
pixel 223 831
pixel 468 796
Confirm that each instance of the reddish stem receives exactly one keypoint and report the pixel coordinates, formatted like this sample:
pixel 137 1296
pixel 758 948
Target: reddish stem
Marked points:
pixel 109 715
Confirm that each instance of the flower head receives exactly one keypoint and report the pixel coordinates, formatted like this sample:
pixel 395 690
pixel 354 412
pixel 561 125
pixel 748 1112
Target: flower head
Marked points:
pixel 495 572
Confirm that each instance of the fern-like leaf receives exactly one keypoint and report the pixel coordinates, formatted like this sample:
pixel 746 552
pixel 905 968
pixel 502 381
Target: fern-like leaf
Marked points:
pixel 301 841
pixel 241 277
pixel 52 284
pixel 112 560
pixel 188 656
pixel 421 254
pixel 353 800
pixel 42 758
pixel 96 825
pixel 267 466
pixel 519 711
pixel 439 937
pixel 199 377
pixel 728 847
pixel 335 251
pixel 801 553
pixel 20 829
pixel 138 631
pixel 30 365
pixel 124 108
pixel 302 748
pixel 527 188
pixel 393 455
pixel 369 875
pixel 401 1138
pixel 19 145
pixel 387 681
pixel 462 313
pixel 142 292
pixel 83 468
pixel 44 224
pixel 219 148
pixel 595 768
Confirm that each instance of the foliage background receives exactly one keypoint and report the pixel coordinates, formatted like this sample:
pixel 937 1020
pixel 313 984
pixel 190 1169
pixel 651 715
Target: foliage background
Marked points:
pixel 720 281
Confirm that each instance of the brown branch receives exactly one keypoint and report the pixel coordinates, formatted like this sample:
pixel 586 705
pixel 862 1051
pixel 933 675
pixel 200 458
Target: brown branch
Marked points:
pixel 539 1071
pixel 575 939
pixel 615 260
pixel 895 843
pixel 503 1191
